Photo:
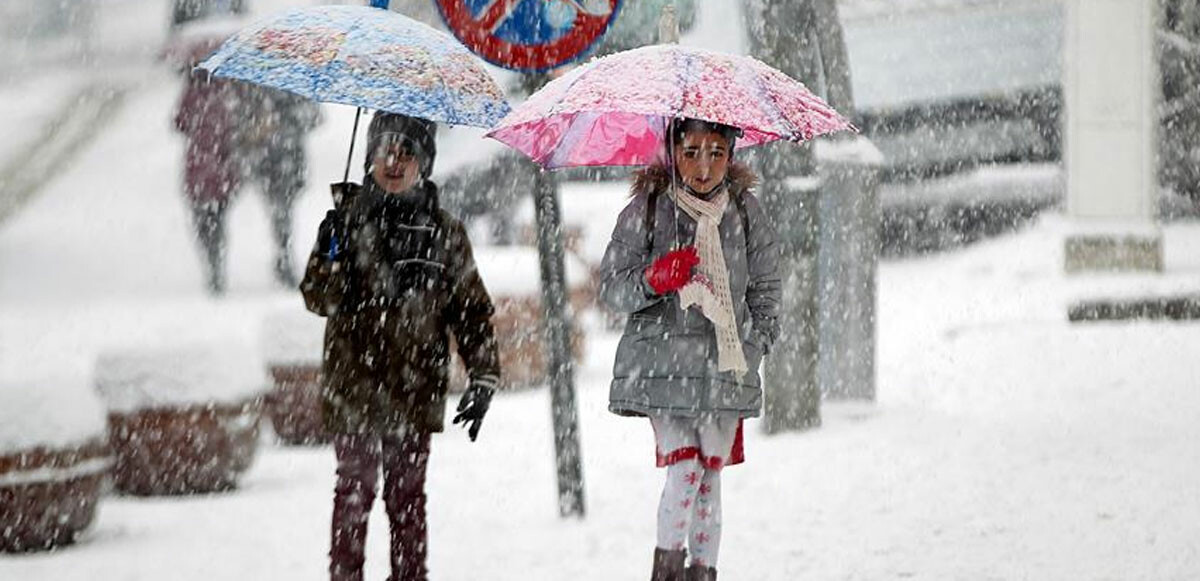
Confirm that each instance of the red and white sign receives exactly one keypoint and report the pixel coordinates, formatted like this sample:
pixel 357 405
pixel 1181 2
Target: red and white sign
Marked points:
pixel 529 35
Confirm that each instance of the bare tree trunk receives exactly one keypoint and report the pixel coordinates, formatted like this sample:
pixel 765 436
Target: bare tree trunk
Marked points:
pixel 803 39
pixel 835 60
pixel 1179 111
pixel 783 35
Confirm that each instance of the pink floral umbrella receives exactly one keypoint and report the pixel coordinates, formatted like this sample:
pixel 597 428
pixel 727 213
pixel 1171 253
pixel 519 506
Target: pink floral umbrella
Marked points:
pixel 614 110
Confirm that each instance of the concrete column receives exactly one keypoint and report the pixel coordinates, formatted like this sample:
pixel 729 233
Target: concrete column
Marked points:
pixel 1111 87
pixel 847 261
pixel 784 35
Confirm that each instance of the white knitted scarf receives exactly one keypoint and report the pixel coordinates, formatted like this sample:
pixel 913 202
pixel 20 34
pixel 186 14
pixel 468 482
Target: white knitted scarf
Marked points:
pixel 715 300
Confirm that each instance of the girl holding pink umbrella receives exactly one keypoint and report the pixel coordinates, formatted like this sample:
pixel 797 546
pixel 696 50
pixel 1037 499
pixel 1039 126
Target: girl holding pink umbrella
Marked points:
pixel 693 259
pixel 701 317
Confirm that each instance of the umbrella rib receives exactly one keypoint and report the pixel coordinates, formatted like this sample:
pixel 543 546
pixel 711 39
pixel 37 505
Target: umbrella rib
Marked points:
pixel 578 78
pixel 776 110
pixel 676 56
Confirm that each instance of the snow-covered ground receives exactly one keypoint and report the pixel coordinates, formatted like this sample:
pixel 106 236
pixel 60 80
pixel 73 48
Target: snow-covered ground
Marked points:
pixel 1006 443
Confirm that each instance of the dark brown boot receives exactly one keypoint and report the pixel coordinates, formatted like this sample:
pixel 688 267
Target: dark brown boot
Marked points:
pixel 698 573
pixel 668 565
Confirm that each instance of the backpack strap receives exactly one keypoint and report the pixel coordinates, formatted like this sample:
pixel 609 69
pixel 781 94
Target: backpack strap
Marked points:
pixel 740 202
pixel 651 211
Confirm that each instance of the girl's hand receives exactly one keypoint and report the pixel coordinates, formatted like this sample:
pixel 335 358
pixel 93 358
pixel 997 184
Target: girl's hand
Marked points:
pixel 672 270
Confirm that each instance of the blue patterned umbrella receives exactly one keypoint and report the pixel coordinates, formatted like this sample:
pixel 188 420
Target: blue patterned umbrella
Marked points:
pixel 365 57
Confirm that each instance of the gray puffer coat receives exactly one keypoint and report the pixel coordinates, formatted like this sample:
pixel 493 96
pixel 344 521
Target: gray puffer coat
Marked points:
pixel 666 361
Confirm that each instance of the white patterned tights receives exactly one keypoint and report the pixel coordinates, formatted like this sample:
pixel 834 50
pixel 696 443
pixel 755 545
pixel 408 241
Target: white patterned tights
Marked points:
pixel 690 511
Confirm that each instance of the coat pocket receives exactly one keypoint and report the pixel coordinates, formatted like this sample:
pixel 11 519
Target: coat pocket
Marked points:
pixel 645 328
pixel 417 275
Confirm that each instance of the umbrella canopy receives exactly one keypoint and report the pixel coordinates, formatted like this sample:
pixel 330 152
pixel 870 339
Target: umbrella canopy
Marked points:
pixel 365 57
pixel 614 110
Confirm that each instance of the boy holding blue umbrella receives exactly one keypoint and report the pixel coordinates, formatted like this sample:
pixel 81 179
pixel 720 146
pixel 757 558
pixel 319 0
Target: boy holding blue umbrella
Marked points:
pixel 394 275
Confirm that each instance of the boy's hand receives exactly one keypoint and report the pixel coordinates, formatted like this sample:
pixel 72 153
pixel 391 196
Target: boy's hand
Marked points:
pixel 473 405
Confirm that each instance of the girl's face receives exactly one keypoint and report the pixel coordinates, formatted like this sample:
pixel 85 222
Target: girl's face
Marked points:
pixel 396 167
pixel 703 159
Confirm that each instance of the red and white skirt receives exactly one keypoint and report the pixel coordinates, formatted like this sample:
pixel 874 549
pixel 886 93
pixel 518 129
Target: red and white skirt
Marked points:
pixel 716 441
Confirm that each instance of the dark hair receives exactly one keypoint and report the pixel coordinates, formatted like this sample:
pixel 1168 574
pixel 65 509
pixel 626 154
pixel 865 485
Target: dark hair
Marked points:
pixel 681 126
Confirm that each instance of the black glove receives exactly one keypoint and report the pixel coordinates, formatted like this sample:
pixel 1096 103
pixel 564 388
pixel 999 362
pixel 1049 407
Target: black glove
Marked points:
pixel 330 238
pixel 472 406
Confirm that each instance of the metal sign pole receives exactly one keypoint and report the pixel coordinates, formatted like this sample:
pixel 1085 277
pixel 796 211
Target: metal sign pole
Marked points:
pixel 557 332
pixel 567 452
pixel 497 35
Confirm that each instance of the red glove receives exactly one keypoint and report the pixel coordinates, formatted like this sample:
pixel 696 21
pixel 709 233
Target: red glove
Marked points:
pixel 672 270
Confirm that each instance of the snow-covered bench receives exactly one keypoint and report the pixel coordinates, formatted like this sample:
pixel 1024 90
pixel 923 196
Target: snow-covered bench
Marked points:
pixel 53 458
pixel 292 345
pixel 181 419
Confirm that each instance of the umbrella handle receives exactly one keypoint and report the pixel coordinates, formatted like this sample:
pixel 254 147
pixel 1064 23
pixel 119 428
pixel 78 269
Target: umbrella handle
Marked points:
pixel 353 135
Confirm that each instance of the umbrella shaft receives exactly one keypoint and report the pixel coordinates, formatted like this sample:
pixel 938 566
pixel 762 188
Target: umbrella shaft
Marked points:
pixel 353 135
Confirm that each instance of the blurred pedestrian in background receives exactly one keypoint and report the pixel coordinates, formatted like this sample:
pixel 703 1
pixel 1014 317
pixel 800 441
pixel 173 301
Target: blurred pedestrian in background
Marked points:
pixel 184 11
pixel 205 115
pixel 271 150
pixel 237 133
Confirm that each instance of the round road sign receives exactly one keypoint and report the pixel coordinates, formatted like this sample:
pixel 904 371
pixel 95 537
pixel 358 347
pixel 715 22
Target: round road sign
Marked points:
pixel 529 35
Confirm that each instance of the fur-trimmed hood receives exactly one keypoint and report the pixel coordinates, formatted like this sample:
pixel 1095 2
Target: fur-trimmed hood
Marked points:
pixel 657 177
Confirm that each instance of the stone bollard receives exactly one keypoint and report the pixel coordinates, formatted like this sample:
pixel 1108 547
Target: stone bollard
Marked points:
pixel 53 459
pixel 293 342
pixel 181 420
pixel 847 260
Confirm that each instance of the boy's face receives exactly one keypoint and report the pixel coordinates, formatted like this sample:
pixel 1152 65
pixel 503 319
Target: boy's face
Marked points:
pixel 396 167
